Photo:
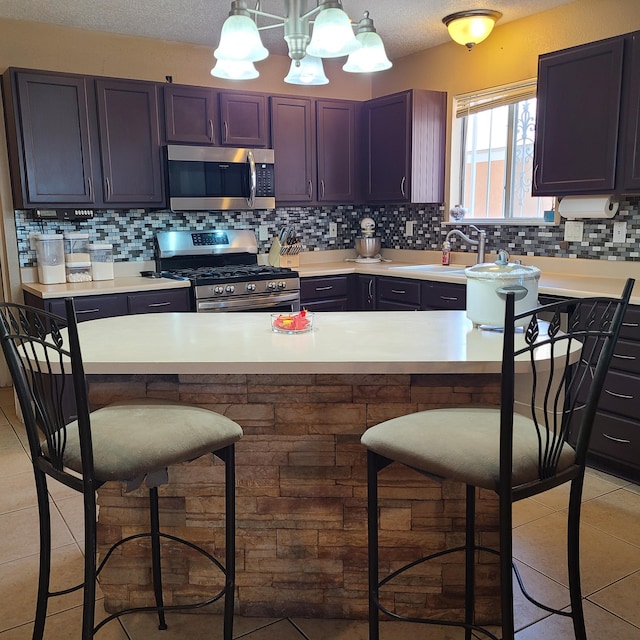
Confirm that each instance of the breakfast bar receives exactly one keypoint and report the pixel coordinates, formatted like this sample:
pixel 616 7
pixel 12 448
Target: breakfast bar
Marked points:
pixel 303 401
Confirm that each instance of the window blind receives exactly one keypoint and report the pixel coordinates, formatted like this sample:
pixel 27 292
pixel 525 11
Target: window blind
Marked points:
pixel 476 101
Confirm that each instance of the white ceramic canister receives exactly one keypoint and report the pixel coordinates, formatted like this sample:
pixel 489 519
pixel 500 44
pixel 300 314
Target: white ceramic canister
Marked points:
pixel 101 261
pixel 487 287
pixel 50 257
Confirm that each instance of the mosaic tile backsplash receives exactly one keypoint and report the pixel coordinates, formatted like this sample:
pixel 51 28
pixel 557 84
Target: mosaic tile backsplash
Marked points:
pixel 132 232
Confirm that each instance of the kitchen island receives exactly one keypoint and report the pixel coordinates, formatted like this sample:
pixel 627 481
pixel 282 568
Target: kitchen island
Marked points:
pixel 303 402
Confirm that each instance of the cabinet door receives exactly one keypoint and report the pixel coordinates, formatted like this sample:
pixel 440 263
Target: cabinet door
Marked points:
pixel 190 114
pixel 336 148
pixel 50 145
pixel 387 148
pixel 129 142
pixel 443 295
pixel 243 119
pixel 398 294
pixel 578 111
pixel 631 114
pixel 293 143
pixel 91 307
pixel 364 293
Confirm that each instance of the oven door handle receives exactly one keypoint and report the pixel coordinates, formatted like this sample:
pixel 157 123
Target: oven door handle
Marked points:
pixel 251 304
pixel 252 178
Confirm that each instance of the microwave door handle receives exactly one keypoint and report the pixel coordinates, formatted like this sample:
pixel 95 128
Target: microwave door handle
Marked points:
pixel 252 178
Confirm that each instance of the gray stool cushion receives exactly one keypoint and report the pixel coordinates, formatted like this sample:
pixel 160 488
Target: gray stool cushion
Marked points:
pixel 460 444
pixel 133 439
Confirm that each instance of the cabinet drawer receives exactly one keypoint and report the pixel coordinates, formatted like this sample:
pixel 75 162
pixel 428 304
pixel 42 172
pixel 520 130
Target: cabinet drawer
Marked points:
pixel 406 292
pixel 92 307
pixel 626 356
pixel 320 288
pixel 159 301
pixel 438 295
pixel 631 324
pixel 616 438
pixel 621 394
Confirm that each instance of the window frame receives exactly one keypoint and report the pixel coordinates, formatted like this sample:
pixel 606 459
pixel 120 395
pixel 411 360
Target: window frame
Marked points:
pixel 465 104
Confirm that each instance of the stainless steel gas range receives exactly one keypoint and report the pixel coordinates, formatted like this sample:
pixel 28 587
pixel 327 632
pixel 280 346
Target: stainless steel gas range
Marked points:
pixel 224 271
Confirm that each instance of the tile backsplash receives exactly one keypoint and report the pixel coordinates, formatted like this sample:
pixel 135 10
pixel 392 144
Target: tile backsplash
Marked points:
pixel 132 232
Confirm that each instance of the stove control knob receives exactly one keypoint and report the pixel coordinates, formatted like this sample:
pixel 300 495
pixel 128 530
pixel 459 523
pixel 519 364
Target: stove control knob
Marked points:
pixel 230 288
pixel 282 284
pixel 218 290
pixel 251 286
pixel 271 286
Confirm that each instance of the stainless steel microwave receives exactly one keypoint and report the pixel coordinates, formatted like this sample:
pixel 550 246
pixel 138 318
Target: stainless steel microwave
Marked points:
pixel 220 178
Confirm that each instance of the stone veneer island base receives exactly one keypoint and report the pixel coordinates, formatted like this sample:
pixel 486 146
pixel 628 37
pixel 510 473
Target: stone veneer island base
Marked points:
pixel 301 497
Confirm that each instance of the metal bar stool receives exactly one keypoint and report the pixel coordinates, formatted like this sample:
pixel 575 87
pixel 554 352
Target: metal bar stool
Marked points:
pixel 129 441
pixel 555 359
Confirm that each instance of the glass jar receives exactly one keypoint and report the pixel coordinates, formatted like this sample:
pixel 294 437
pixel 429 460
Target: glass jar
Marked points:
pixel 76 246
pixel 50 258
pixel 101 261
pixel 78 271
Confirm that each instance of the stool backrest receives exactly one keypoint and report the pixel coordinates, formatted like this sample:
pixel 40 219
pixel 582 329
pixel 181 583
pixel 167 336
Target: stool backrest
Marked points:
pixel 42 351
pixel 553 372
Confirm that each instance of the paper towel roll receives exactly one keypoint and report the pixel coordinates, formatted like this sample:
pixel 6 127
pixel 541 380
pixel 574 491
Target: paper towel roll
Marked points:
pixel 573 207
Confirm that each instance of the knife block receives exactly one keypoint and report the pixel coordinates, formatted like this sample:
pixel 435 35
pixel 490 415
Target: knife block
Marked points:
pixel 276 259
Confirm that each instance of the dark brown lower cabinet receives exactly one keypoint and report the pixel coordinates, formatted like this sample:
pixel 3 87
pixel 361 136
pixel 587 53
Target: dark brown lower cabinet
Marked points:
pixel 325 293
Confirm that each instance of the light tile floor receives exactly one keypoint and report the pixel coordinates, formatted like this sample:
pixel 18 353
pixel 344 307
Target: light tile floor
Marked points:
pixel 610 550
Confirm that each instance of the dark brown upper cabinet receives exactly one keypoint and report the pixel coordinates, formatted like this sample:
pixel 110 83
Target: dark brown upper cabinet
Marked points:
pixel 403 153
pixel 244 119
pixel 49 141
pixel 587 132
pixel 130 142
pixel 336 150
pixel 190 114
pixel 78 141
pixel 292 133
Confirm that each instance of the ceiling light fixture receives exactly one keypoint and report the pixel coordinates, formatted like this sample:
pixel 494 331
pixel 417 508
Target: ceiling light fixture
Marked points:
pixel 471 27
pixel 332 37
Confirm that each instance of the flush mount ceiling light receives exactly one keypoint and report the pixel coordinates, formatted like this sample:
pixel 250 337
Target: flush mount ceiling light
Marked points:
pixel 471 27
pixel 332 37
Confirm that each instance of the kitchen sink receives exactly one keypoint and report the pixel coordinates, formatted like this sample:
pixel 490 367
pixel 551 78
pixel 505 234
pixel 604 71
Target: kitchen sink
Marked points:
pixel 433 268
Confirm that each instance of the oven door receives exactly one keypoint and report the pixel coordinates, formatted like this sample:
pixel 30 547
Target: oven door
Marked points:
pixel 280 302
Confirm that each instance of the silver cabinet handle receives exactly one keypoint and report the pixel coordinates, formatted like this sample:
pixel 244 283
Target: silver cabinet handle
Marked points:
pixel 398 291
pixel 79 311
pixel 225 127
pixel 618 395
pixel 633 325
pixel 370 290
pixel 310 189
pixel 535 176
pixel 211 130
pixel 108 187
pixel 159 304
pixel 402 183
pixel 90 185
pixel 322 188
pixel 324 288
pixel 449 298
pixel 623 357
pixel 608 437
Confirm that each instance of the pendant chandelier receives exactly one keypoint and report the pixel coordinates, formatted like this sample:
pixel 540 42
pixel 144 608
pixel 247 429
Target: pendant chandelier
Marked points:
pixel 333 36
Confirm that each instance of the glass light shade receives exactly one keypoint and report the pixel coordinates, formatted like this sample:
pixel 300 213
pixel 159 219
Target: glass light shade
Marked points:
pixel 370 57
pixel 240 41
pixel 308 71
pixel 234 70
pixel 469 30
pixel 332 35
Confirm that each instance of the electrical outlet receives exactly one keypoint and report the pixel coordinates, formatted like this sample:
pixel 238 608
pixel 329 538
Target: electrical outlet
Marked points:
pixel 263 232
pixel 573 230
pixel 333 229
pixel 32 241
pixel 620 231
pixel 409 228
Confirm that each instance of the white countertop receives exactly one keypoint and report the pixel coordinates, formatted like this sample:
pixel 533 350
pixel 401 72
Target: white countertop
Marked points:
pixel 379 342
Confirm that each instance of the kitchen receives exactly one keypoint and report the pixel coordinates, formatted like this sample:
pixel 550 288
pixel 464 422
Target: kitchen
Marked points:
pixel 509 55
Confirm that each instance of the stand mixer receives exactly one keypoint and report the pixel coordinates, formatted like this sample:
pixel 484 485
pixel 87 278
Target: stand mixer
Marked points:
pixel 367 245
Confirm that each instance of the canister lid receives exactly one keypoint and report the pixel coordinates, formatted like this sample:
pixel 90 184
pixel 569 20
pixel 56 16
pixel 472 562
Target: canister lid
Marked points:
pixel 496 271
pixel 48 236
pixel 78 265
pixel 100 247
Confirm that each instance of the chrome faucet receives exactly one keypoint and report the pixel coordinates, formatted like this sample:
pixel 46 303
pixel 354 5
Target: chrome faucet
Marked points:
pixel 480 242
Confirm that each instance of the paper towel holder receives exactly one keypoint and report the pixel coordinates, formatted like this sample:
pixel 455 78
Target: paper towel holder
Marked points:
pixel 578 207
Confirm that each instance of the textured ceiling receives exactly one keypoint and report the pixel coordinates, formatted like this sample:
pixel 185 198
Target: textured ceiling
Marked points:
pixel 406 26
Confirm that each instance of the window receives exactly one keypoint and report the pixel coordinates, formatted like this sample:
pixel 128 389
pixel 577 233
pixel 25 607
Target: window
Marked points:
pixel 492 155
